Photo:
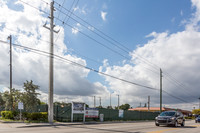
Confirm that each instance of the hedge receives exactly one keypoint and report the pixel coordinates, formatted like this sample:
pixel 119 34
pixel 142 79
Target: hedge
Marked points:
pixel 41 116
pixel 9 114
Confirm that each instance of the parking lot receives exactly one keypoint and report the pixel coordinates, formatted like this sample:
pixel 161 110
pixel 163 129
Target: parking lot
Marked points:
pixel 108 127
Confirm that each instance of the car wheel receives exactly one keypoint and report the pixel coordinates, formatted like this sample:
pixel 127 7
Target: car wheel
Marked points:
pixel 183 124
pixel 157 124
pixel 176 124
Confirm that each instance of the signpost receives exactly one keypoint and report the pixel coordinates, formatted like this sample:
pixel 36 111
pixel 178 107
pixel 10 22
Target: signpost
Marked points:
pixel 20 107
pixel 78 108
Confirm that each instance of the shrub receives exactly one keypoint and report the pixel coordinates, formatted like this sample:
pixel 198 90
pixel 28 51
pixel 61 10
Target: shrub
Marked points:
pixel 7 114
pixel 39 116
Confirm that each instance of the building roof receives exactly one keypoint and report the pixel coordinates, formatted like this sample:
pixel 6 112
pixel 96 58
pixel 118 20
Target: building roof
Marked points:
pixel 146 109
pixel 157 109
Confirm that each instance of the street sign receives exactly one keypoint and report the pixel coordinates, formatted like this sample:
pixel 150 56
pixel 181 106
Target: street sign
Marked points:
pixel 20 105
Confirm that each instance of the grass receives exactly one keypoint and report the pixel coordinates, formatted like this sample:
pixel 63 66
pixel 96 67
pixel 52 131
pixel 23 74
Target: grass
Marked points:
pixel 25 121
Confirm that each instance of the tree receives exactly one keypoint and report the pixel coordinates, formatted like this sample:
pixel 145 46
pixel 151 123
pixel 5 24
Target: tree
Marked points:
pixel 2 102
pixel 29 97
pixel 7 100
pixel 11 102
pixel 124 106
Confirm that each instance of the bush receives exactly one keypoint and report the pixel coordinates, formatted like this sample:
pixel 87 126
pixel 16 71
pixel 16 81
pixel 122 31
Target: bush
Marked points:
pixel 8 114
pixel 187 117
pixel 39 116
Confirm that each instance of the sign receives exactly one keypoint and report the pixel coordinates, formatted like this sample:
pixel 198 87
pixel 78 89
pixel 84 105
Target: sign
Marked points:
pixel 78 108
pixel 20 105
pixel 121 113
pixel 91 113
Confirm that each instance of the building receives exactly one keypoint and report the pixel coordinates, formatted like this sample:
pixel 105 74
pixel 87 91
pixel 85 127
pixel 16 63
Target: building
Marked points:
pixel 157 109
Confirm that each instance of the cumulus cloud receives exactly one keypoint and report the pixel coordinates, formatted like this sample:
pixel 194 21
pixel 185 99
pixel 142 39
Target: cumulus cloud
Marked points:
pixel 26 27
pixel 178 54
pixel 75 30
pixel 103 15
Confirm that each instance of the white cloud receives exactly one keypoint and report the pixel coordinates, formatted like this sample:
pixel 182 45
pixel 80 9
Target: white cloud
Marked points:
pixel 177 54
pixel 27 29
pixel 91 28
pixel 75 30
pixel 181 12
pixel 103 15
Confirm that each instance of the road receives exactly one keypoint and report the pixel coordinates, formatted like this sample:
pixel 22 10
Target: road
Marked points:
pixel 123 127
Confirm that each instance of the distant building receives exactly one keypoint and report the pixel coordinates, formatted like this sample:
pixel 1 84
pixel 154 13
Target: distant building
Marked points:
pixel 157 109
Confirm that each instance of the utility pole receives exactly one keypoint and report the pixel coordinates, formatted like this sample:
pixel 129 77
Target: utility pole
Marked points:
pixel 110 100
pixel 100 101
pixel 11 99
pixel 160 90
pixel 50 100
pixel 118 102
pixel 148 103
pixel 199 102
pixel 94 102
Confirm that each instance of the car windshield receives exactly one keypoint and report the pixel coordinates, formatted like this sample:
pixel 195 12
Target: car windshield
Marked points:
pixel 167 114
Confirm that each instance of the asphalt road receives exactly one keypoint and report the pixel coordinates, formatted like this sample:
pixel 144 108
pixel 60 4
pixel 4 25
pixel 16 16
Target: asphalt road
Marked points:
pixel 123 127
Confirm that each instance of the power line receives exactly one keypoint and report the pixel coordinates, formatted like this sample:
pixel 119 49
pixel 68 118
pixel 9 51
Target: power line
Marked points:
pixel 85 34
pixel 138 56
pixel 34 7
pixel 67 15
pixel 95 40
pixel 175 97
pixel 177 85
pixel 80 65
pixel 88 35
pixel 122 46
pixel 61 9
pixel 88 68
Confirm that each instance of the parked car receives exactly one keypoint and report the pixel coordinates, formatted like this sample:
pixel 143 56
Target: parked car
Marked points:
pixel 170 118
pixel 197 119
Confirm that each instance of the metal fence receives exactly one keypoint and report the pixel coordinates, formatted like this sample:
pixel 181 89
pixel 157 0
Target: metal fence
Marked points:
pixel 63 113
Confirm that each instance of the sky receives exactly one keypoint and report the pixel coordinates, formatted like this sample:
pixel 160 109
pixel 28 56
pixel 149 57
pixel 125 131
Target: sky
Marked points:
pixel 127 39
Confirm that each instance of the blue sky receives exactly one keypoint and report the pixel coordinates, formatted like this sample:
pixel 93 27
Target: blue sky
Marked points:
pixel 164 34
pixel 128 22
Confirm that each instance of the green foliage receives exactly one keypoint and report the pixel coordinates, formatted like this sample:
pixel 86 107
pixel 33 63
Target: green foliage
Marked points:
pixel 38 116
pixel 124 106
pixel 2 102
pixel 29 97
pixel 187 117
pixel 196 111
pixel 10 99
pixel 9 114
pixel 6 96
pixel 42 103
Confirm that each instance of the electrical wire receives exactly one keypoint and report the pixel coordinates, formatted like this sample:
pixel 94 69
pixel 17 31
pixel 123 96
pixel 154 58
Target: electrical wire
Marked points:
pixel 69 16
pixel 80 65
pixel 91 69
pixel 60 9
pixel 71 27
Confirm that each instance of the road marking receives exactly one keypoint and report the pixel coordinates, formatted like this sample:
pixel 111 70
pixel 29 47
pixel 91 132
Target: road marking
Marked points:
pixel 195 125
pixel 161 131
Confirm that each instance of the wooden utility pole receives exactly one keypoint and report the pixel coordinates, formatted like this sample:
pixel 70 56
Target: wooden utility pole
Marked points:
pixel 11 98
pixel 160 90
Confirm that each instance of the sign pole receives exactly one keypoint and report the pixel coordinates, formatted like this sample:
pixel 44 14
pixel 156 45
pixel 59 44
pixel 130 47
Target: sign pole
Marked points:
pixel 72 113
pixel 84 114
